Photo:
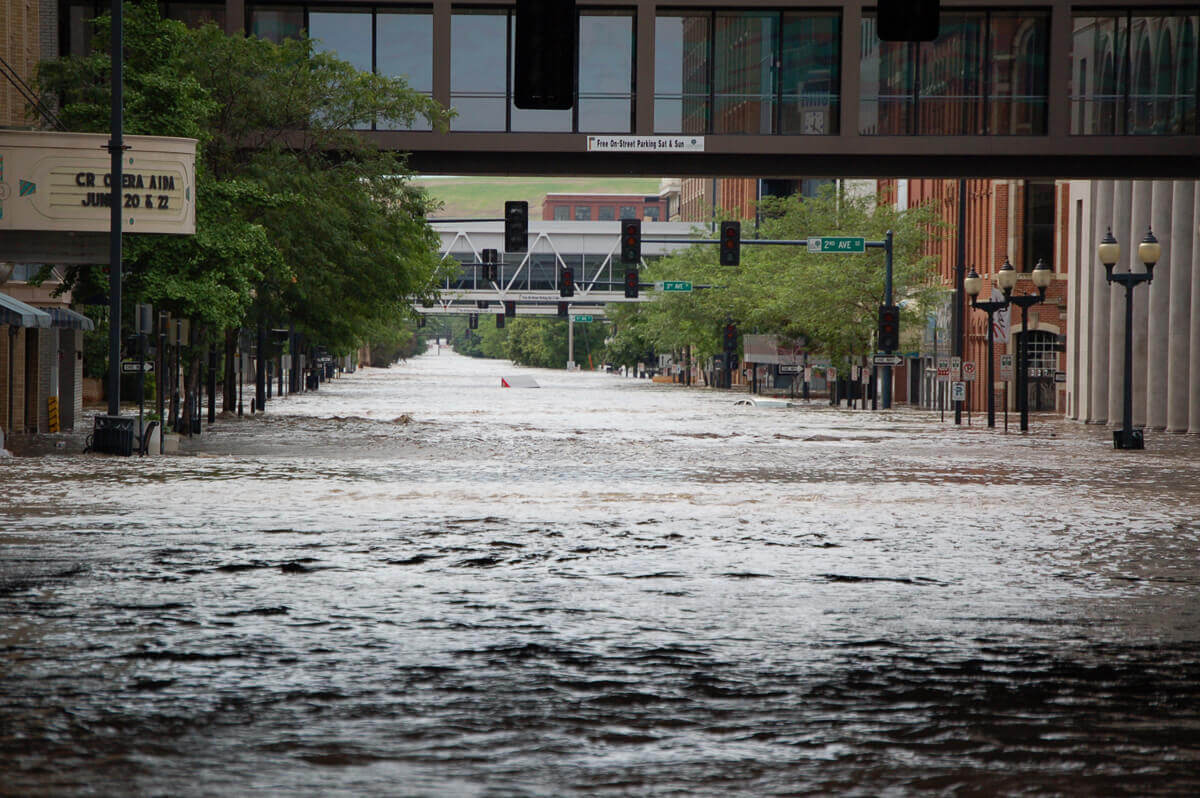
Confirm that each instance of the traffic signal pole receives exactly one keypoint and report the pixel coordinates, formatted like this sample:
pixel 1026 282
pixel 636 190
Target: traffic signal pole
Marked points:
pixel 887 300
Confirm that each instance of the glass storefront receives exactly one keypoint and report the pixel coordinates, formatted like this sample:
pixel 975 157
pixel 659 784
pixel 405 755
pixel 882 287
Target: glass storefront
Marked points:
pixel 755 72
pixel 985 74
pixel 1134 72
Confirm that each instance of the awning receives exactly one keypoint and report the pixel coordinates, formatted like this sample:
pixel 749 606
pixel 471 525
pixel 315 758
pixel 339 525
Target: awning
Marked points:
pixel 16 313
pixel 65 317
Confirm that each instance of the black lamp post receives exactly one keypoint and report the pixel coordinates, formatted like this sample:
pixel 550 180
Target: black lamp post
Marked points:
pixel 973 284
pixel 1007 278
pixel 1109 252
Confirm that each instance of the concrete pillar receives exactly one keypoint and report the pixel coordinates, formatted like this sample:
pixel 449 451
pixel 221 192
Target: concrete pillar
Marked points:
pixel 1079 292
pixel 1116 308
pixel 1183 236
pixel 1194 337
pixel 1139 223
pixel 1159 303
pixel 1099 299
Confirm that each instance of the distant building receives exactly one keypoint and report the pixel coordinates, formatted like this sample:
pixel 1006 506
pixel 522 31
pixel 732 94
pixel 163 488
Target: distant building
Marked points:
pixel 558 207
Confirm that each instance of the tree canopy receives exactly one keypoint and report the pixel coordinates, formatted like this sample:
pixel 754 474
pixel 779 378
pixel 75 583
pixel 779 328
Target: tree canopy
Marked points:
pixel 299 219
pixel 831 301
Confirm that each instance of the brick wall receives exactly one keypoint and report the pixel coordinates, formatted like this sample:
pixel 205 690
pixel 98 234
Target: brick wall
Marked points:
pixel 20 46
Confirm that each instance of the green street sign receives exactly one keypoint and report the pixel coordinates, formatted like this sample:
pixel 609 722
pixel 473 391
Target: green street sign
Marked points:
pixel 677 285
pixel 838 244
pixel 581 318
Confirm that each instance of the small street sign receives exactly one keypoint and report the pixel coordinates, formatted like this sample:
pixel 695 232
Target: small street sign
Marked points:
pixel 887 360
pixel 854 373
pixel 786 368
pixel 958 391
pixel 584 319
pixel 840 244
pixel 943 369
pixel 968 371
pixel 956 368
pixel 1006 367
pixel 677 285
pixel 1060 376
pixel 131 366
pixel 831 374
pixel 808 373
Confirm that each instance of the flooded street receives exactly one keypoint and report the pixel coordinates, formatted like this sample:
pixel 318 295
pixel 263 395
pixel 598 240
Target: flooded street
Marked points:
pixel 416 582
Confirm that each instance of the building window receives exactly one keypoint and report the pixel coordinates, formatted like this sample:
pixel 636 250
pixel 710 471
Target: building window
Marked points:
pixel 1134 74
pixel 605 72
pixel 629 212
pixel 276 23
pixel 757 72
pixel 605 213
pixel 479 70
pixel 562 213
pixel 651 212
pixel 196 14
pixel 404 49
pixel 1039 224
pixel 985 74
pixel 583 213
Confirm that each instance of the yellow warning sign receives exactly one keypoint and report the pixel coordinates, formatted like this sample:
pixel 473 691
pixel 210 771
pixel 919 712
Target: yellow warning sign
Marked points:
pixel 52 409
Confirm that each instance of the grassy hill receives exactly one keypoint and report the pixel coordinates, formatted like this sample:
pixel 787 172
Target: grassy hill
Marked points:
pixel 484 197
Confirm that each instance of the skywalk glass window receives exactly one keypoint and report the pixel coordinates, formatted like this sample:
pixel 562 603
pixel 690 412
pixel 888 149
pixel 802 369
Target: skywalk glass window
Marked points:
pixel 985 74
pixel 1134 72
pixel 753 72
pixel 404 49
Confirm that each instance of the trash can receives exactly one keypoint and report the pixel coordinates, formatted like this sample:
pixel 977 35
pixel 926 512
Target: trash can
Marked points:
pixel 113 435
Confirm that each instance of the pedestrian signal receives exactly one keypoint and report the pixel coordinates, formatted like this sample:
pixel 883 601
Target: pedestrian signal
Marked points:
pixel 631 283
pixel 631 241
pixel 566 286
pixel 731 243
pixel 889 328
pixel 516 226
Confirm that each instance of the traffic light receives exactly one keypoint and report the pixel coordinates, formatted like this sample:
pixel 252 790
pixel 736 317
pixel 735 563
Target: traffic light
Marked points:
pixel 516 226
pixel 510 309
pixel 889 328
pixel 499 321
pixel 631 283
pixel 731 243
pixel 420 321
pixel 631 241
pixel 729 338
pixel 491 269
pixel 563 307
pixel 472 321
pixel 566 286
pixel 545 42
pixel 908 20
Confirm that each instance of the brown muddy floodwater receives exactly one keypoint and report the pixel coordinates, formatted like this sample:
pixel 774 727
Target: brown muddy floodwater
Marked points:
pixel 600 587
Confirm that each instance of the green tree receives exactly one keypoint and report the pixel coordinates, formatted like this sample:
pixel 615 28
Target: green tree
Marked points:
pixel 829 300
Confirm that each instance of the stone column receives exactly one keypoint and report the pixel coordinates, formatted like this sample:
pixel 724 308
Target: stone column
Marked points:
pixel 1079 292
pixel 1183 235
pixel 1139 222
pixel 1159 302
pixel 1103 192
pixel 1194 337
pixel 1116 309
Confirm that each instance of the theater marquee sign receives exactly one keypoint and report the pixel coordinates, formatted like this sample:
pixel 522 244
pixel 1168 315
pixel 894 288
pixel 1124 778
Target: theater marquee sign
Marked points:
pixel 63 182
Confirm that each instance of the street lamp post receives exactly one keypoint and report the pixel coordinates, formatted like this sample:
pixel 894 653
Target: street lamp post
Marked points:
pixel 973 284
pixel 1007 278
pixel 1109 252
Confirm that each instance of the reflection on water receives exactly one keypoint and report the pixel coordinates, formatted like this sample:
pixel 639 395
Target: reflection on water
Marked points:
pixel 416 582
